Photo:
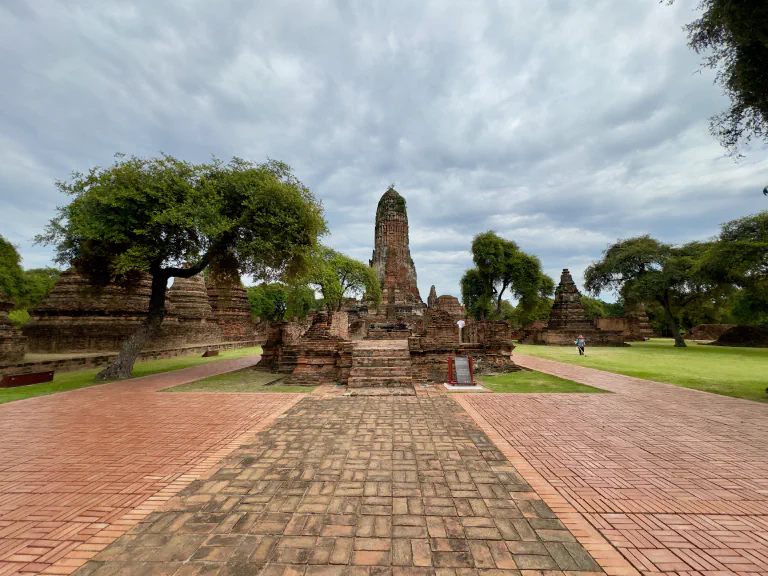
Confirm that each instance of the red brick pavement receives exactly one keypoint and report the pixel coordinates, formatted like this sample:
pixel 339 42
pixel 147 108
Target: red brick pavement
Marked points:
pixel 78 469
pixel 675 478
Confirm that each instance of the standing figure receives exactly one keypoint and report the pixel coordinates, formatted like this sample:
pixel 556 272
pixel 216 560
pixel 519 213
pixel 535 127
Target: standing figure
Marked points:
pixel 580 345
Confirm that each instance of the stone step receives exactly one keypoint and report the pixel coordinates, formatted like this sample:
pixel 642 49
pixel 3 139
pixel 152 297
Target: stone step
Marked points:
pixel 383 353
pixel 378 382
pixel 381 345
pixel 381 371
pixel 380 361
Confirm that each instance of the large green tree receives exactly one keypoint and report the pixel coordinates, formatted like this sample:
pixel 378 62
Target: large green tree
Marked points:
pixel 733 35
pixel 643 269
pixel 11 272
pixel 278 301
pixel 338 276
pixel 501 268
pixel 26 288
pixel 172 218
pixel 739 257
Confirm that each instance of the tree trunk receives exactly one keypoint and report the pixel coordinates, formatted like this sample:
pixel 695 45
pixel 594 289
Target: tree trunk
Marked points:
pixel 673 326
pixel 122 366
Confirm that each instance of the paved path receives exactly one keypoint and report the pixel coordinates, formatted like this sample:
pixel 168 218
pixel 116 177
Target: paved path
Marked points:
pixel 79 468
pixel 677 479
pixel 402 485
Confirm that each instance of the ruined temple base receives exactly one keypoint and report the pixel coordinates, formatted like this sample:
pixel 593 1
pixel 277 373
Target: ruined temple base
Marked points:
pixel 600 338
pixel 74 362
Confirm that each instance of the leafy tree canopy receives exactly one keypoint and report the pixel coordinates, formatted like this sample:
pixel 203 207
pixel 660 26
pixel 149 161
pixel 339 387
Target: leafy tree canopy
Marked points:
pixel 338 276
pixel 26 288
pixel 173 218
pixel 11 273
pixel 501 268
pixel 646 270
pixel 739 256
pixel 279 301
pixel 734 37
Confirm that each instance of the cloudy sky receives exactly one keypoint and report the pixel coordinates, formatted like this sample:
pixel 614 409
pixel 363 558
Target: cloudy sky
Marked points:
pixel 558 125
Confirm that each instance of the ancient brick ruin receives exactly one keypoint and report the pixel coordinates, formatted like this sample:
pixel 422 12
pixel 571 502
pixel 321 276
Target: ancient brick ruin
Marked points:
pixel 567 321
pixel 392 259
pixel 79 317
pixel 312 356
pixel 190 317
pixel 232 312
pixel 449 304
pixel 408 343
pixel 489 344
pixel 12 344
pixel 708 331
pixel 634 325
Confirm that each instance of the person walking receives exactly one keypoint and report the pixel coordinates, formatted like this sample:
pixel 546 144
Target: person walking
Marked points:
pixel 580 343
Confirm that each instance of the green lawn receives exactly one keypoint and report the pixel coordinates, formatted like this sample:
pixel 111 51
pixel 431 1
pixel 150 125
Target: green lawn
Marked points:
pixel 527 382
pixel 72 380
pixel 738 372
pixel 244 381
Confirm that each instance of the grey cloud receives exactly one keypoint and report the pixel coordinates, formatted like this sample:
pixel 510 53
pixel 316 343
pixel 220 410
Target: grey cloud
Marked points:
pixel 561 126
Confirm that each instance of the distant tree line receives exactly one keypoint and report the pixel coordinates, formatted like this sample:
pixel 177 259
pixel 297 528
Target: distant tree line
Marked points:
pixel 25 288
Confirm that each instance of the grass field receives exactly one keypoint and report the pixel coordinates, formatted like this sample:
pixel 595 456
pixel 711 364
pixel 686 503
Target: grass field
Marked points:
pixel 245 381
pixel 526 382
pixel 737 372
pixel 72 380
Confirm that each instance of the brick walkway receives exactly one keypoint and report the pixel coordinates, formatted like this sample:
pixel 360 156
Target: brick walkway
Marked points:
pixel 675 478
pixel 79 468
pixel 402 485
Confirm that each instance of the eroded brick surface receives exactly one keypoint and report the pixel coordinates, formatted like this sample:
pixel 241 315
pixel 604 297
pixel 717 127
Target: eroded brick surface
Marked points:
pixel 355 485
pixel 676 479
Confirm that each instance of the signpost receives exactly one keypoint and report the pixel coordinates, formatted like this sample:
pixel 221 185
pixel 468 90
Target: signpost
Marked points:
pixel 461 371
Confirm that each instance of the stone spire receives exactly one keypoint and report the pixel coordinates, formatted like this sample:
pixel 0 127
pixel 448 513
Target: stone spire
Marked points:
pixel 432 297
pixel 392 257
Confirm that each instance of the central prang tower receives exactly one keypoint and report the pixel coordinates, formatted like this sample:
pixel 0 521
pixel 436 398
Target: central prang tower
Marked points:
pixel 392 258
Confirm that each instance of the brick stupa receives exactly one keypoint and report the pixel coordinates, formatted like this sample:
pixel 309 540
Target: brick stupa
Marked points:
pixel 392 259
pixel 79 317
pixel 567 321
pixel 232 312
pixel 189 305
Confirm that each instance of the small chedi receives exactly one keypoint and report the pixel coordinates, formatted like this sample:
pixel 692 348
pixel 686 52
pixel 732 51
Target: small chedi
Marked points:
pixel 12 343
pixel 392 259
pixel 232 312
pixel 190 317
pixel 567 321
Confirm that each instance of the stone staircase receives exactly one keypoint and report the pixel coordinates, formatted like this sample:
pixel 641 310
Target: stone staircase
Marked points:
pixel 380 364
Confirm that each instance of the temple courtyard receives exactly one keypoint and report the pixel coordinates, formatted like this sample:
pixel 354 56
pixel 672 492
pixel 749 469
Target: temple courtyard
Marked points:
pixel 125 478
